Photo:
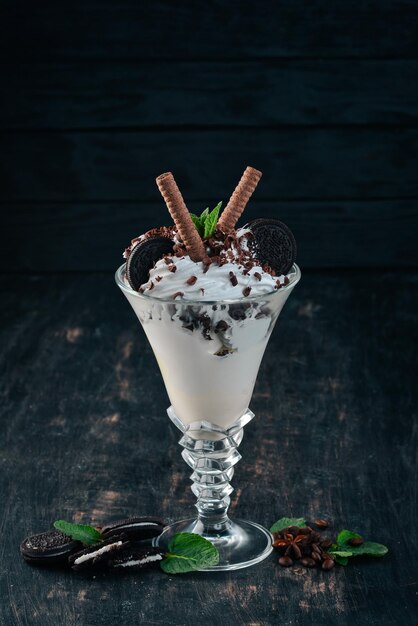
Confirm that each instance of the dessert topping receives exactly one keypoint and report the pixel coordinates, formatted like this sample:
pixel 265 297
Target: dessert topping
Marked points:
pixel 239 199
pixel 181 216
pixel 274 244
pixel 143 258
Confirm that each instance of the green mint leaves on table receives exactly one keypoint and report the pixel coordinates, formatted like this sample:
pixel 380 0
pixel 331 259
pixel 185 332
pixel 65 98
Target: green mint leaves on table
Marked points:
pixel 79 532
pixel 207 221
pixel 347 545
pixel 188 552
pixel 342 550
pixel 285 522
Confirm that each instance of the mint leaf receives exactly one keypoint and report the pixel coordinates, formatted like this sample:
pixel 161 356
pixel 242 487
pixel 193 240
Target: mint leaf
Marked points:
pixel 211 221
pixel 86 534
pixel 341 553
pixel 341 560
pixel 369 548
pixel 196 221
pixel 206 223
pixel 344 535
pixel 188 552
pixel 284 522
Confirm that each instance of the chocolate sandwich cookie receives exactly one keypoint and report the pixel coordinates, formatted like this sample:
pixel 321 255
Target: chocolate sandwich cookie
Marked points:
pixel 98 554
pixel 49 548
pixel 274 244
pixel 143 258
pixel 136 559
pixel 135 528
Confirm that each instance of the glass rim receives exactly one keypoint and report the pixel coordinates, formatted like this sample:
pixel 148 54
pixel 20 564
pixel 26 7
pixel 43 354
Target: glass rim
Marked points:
pixel 146 298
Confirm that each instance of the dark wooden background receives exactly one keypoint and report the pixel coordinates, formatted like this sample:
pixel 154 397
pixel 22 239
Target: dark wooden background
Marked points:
pixel 99 97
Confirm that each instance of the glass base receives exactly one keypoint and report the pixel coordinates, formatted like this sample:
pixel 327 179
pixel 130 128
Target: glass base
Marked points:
pixel 240 543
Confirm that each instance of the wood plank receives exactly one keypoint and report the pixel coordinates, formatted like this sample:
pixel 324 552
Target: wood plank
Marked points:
pixel 298 163
pixel 253 93
pixel 91 237
pixel 128 29
pixel 85 436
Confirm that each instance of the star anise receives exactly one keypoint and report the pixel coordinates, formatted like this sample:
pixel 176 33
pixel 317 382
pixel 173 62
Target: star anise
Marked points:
pixel 290 544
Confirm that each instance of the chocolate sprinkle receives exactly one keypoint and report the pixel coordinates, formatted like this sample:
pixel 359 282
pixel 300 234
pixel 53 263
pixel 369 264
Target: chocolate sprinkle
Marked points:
pixel 221 326
pixel 191 280
pixel 233 279
pixel 178 294
pixel 246 291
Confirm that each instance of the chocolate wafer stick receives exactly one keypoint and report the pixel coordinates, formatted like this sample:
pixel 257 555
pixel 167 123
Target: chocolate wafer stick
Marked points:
pixel 238 200
pixel 181 216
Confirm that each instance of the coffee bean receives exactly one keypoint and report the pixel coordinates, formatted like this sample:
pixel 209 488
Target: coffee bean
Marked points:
pixel 355 541
pixel 293 530
pixel 326 543
pixel 296 551
pixel 305 530
pixel 316 556
pixel 307 562
pixel 328 564
pixel 321 523
pixel 285 561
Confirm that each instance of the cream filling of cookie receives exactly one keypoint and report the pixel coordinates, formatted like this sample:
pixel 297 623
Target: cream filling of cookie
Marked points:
pixel 99 552
pixel 147 559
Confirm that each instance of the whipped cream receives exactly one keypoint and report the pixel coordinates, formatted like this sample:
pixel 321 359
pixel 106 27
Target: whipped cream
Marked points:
pixel 180 278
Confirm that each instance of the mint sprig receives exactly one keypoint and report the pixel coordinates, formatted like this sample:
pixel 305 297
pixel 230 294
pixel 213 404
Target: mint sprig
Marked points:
pixel 284 522
pixel 343 551
pixel 188 552
pixel 88 535
pixel 207 221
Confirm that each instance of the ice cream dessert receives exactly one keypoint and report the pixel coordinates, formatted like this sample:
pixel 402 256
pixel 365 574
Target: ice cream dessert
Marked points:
pixel 208 295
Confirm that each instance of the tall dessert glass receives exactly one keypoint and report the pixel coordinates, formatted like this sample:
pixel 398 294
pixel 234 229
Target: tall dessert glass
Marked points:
pixel 209 354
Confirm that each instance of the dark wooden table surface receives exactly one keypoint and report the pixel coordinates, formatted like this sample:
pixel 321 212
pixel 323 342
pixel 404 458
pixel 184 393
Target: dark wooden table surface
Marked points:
pixel 84 436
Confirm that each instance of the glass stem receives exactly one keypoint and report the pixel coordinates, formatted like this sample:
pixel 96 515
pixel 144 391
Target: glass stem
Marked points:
pixel 211 486
pixel 212 453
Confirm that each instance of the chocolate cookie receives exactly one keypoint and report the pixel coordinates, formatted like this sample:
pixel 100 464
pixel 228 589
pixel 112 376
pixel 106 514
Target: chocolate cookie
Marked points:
pixel 98 554
pixel 143 258
pixel 50 548
pixel 137 559
pixel 135 528
pixel 274 244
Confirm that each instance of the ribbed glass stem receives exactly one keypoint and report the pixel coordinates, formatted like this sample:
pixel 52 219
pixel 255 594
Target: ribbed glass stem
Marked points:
pixel 211 452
